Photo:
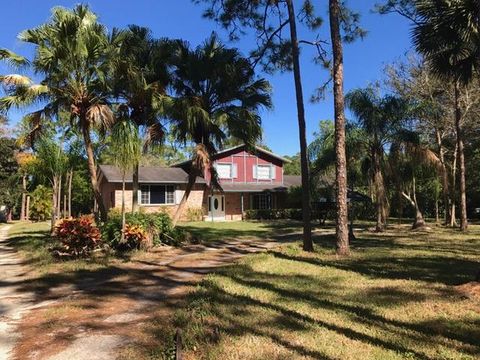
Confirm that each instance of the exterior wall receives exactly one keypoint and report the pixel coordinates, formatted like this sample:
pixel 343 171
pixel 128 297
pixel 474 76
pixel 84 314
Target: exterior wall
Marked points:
pixel 246 161
pixel 197 199
pixel 233 205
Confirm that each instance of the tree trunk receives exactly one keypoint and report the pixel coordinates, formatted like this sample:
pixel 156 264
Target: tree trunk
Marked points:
pixel 461 160
pixel 453 220
pixel 343 247
pixel 27 208
pixel 92 168
pixel 24 198
pixel 419 220
pixel 437 215
pixel 122 238
pixel 192 178
pixel 64 205
pixel 54 204
pixel 135 187
pixel 59 198
pixel 70 178
pixel 379 193
pixel 9 214
pixel 445 187
pixel 307 227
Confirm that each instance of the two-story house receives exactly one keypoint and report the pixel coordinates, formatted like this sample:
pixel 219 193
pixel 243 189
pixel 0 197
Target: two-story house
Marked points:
pixel 249 180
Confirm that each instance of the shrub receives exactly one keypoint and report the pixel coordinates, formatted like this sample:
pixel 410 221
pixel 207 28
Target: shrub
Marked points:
pixel 41 206
pixel 278 214
pixel 135 238
pixel 157 227
pixel 78 237
pixel 195 214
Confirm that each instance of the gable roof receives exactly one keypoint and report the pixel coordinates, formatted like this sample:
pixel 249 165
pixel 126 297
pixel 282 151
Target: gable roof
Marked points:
pixel 238 147
pixel 148 174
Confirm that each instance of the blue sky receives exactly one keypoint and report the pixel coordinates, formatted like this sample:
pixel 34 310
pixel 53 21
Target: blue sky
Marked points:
pixel 387 41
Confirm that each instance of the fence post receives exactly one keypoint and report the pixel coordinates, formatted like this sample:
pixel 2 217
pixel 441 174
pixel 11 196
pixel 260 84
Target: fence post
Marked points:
pixel 178 345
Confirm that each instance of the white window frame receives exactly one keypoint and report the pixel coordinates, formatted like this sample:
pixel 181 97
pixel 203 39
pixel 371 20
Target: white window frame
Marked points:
pixel 268 177
pixel 166 186
pixel 221 175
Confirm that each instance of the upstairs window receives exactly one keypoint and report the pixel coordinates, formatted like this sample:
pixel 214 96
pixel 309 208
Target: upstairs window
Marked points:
pixel 157 194
pixel 226 171
pixel 264 172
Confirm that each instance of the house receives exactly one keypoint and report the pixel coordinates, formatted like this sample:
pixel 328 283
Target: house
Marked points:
pixel 249 180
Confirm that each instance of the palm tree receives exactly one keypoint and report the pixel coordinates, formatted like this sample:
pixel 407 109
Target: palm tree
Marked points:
pixel 73 53
pixel 51 162
pixel 380 119
pixel 141 78
pixel 407 158
pixel 127 149
pixel 217 97
pixel 448 34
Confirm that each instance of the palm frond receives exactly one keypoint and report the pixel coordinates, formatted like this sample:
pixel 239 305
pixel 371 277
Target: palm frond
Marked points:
pixel 15 80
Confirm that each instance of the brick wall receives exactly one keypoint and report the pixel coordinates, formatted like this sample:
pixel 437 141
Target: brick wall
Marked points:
pixel 195 200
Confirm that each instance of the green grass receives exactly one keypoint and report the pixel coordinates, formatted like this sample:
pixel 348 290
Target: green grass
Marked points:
pixel 207 231
pixel 394 298
pixel 33 242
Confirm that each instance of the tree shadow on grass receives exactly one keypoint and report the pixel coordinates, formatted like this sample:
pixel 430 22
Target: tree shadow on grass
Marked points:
pixel 218 309
pixel 388 259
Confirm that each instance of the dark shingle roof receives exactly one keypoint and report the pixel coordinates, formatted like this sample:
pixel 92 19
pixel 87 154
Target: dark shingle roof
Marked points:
pixel 148 174
pixel 292 180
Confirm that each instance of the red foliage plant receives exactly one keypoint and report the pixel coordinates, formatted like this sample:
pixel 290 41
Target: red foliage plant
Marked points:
pixel 78 237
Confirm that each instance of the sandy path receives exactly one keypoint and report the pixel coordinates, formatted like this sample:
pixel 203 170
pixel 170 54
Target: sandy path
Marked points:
pixel 116 301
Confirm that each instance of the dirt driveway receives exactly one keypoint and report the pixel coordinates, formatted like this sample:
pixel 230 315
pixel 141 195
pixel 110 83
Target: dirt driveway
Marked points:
pixel 97 314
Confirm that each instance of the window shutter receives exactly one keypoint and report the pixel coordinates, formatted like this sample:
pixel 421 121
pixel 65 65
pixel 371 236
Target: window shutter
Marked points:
pixel 254 171
pixel 272 172
pixel 234 171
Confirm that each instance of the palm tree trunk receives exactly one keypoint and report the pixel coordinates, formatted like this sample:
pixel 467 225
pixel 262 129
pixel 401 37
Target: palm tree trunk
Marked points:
pixel 445 187
pixel 343 247
pixel 307 227
pixel 135 187
pixel 70 178
pixel 192 178
pixel 27 208
pixel 54 204
pixel 419 220
pixel 92 169
pixel 453 220
pixel 379 192
pixel 24 198
pixel 59 198
pixel 122 239
pixel 461 160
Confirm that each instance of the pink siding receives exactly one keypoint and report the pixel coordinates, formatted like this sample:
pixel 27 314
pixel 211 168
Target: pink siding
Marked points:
pixel 245 162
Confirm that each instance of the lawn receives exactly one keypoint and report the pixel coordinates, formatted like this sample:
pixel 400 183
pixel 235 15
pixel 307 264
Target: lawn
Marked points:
pixel 396 297
pixel 207 231
pixel 33 242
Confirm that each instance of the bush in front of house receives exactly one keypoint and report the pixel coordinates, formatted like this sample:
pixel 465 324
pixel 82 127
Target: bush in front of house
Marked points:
pixel 274 214
pixel 195 214
pixel 284 214
pixel 78 237
pixel 157 227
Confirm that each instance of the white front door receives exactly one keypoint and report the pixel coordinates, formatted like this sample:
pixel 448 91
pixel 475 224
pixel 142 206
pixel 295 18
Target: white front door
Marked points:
pixel 216 207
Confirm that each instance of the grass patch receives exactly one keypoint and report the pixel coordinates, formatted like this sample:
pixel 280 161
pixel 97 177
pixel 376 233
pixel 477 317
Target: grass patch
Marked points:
pixel 394 298
pixel 33 242
pixel 207 231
